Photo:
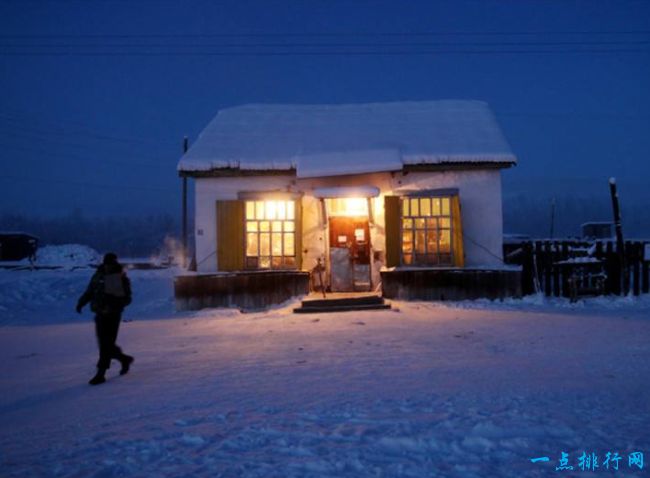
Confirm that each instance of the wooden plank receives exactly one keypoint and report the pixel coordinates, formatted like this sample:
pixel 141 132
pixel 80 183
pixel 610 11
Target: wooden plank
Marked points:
pixel 554 256
pixel 527 272
pixel 230 235
pixel 392 218
pixel 457 230
pixel 298 236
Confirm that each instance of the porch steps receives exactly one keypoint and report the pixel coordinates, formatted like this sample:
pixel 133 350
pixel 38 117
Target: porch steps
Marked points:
pixel 342 304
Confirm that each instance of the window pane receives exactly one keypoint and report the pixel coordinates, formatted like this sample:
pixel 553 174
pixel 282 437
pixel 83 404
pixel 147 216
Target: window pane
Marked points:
pixel 265 262
pixel 419 242
pixel 282 210
pixel 289 246
pixel 264 226
pixel 432 223
pixel 290 261
pixel 276 244
pixel 425 207
pixel 251 226
pixel 265 244
pixel 419 223
pixel 435 210
pixel 415 209
pixel 251 262
pixel 290 210
pixel 276 262
pixel 271 210
pixel 407 241
pixel 445 222
pixel 405 207
pixel 445 240
pixel 289 226
pixel 445 206
pixel 251 244
pixel 444 259
pixel 407 223
pixel 250 209
pixel 259 209
pixel 432 241
pixel 276 226
pixel 408 259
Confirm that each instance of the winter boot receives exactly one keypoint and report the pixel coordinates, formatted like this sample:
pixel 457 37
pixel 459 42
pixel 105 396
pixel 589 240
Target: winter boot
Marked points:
pixel 98 378
pixel 126 364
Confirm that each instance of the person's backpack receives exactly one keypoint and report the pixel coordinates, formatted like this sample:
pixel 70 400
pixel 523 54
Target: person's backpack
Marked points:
pixel 108 293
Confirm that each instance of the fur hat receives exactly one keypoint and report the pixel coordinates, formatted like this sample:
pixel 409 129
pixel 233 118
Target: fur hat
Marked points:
pixel 110 259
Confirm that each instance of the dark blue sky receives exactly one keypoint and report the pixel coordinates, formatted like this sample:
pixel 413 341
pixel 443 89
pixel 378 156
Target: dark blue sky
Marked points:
pixel 95 97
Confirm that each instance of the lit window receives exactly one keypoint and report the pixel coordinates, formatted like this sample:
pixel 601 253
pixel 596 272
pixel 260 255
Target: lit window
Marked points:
pixel 426 231
pixel 270 235
pixel 351 207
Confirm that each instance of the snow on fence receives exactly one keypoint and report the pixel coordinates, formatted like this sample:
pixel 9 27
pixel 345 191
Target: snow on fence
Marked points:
pixel 572 267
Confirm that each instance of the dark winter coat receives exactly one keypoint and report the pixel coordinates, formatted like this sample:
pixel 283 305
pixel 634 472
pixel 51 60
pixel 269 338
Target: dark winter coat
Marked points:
pixel 109 290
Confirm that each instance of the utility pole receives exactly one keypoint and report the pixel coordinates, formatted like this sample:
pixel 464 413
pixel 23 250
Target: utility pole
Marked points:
pixel 620 245
pixel 184 237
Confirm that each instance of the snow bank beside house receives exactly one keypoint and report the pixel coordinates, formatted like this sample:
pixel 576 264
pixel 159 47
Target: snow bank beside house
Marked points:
pixel 67 255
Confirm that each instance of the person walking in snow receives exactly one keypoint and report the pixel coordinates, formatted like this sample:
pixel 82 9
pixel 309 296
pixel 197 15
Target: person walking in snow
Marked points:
pixel 108 292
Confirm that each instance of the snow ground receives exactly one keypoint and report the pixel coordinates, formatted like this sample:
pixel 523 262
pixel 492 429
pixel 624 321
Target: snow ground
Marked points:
pixel 468 389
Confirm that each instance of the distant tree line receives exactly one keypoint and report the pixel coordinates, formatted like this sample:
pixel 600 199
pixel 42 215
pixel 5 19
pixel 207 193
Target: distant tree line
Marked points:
pixel 531 215
pixel 126 235
pixel 143 236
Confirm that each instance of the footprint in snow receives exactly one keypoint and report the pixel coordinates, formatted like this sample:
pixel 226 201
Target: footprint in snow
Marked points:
pixel 26 356
pixel 359 323
pixel 316 320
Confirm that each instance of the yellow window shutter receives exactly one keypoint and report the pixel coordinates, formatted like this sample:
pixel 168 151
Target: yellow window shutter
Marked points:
pixel 299 233
pixel 392 217
pixel 230 235
pixel 457 229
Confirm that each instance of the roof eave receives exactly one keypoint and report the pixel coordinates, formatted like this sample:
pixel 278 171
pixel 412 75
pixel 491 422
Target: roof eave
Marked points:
pixel 422 167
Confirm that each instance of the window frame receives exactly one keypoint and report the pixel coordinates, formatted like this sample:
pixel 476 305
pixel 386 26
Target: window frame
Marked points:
pixel 431 196
pixel 270 231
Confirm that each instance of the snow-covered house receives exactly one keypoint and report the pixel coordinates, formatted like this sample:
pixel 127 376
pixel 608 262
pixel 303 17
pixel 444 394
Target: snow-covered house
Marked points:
pixel 378 194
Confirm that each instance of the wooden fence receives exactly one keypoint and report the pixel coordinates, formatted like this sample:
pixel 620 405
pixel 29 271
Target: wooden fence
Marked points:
pixel 559 268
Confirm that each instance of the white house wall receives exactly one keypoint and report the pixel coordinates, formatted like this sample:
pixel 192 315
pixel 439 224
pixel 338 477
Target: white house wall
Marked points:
pixel 479 190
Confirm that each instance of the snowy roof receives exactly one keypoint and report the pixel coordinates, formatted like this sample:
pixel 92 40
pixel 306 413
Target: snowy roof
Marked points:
pixel 325 140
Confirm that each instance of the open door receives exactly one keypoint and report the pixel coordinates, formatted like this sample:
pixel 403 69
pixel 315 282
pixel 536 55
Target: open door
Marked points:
pixel 349 254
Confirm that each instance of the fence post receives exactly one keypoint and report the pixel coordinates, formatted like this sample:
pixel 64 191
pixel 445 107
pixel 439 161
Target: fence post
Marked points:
pixel 637 249
pixel 527 281
pixel 613 270
pixel 646 270
pixel 565 270
pixel 551 258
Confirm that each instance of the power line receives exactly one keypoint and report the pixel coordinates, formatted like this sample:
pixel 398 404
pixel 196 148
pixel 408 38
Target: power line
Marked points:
pixel 319 53
pixel 84 184
pixel 75 158
pixel 59 139
pixel 321 34
pixel 321 44
pixel 18 117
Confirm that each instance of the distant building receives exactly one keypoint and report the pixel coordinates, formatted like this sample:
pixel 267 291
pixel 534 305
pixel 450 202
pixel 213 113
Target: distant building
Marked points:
pixel 375 193
pixel 597 230
pixel 15 246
